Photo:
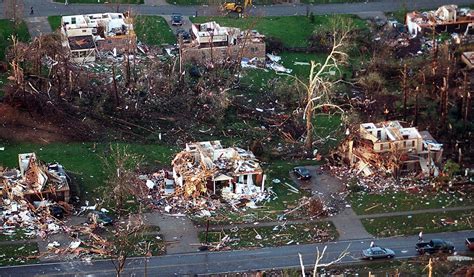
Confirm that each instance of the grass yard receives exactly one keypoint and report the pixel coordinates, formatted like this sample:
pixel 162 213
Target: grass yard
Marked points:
pixel 411 225
pixel 364 203
pixel 112 2
pixel 153 30
pixel 275 236
pixel 17 234
pixel 54 22
pixel 16 254
pixel 7 29
pixel 277 26
pixel 83 159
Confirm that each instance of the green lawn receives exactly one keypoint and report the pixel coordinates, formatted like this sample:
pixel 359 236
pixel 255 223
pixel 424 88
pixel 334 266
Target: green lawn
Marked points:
pixel 54 22
pixel 278 26
pixel 153 30
pixel 18 234
pixel 411 225
pixel 102 1
pixel 364 203
pixel 7 28
pixel 16 254
pixel 272 236
pixel 83 159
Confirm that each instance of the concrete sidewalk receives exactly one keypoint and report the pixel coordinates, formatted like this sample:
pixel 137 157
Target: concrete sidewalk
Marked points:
pixel 38 26
pixel 180 234
pixel 407 213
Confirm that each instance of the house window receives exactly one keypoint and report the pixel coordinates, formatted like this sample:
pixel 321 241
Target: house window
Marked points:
pixel 73 20
pixel 381 146
pixel 404 144
pixel 412 143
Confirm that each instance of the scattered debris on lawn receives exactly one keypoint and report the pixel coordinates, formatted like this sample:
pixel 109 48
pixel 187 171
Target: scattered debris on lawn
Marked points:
pixel 283 234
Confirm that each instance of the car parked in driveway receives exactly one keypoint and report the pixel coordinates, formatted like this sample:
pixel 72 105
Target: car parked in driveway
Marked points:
pixel 176 19
pixel 184 34
pixel 302 173
pixel 377 253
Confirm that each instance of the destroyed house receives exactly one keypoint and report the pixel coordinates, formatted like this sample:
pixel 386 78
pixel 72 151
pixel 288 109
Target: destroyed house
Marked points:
pixel 85 34
pixel 390 146
pixel 233 172
pixel 211 42
pixel 447 18
pixel 34 181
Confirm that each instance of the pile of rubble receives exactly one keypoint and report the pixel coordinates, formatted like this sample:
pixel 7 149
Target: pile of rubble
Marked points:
pixel 272 62
pixel 379 153
pixel 26 197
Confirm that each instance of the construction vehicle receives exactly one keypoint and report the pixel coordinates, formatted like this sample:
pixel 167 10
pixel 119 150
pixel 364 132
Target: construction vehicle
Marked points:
pixel 238 6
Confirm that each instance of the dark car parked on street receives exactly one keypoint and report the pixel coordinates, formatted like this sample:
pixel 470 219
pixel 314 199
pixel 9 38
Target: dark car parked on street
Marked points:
pixel 176 19
pixel 435 246
pixel 302 173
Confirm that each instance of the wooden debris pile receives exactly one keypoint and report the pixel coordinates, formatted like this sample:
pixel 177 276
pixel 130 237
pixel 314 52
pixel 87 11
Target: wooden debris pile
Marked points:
pixel 32 198
pixel 194 174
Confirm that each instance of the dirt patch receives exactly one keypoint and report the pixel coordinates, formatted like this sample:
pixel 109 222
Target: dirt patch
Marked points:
pixel 21 126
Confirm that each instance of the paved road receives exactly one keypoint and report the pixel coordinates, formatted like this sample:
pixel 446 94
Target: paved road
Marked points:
pixel 47 8
pixel 231 261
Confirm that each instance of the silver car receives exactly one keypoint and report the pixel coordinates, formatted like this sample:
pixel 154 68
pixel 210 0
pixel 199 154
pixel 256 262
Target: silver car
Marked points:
pixel 377 253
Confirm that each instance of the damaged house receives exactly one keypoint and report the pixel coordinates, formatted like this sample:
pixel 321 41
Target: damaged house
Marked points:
pixel 34 181
pixel 393 149
pixel 447 18
pixel 83 35
pixel 207 166
pixel 212 42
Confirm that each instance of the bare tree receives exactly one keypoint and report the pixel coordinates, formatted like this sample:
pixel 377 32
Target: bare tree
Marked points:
pixel 320 257
pixel 120 165
pixel 320 83
pixel 126 241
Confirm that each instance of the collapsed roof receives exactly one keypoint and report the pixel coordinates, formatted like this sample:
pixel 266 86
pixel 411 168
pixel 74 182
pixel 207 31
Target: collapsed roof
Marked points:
pixel 34 180
pixel 204 162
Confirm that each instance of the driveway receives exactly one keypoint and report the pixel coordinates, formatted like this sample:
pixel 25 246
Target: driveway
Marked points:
pixel 332 192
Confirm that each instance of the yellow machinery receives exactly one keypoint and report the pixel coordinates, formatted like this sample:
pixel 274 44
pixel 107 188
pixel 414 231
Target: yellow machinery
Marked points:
pixel 237 6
